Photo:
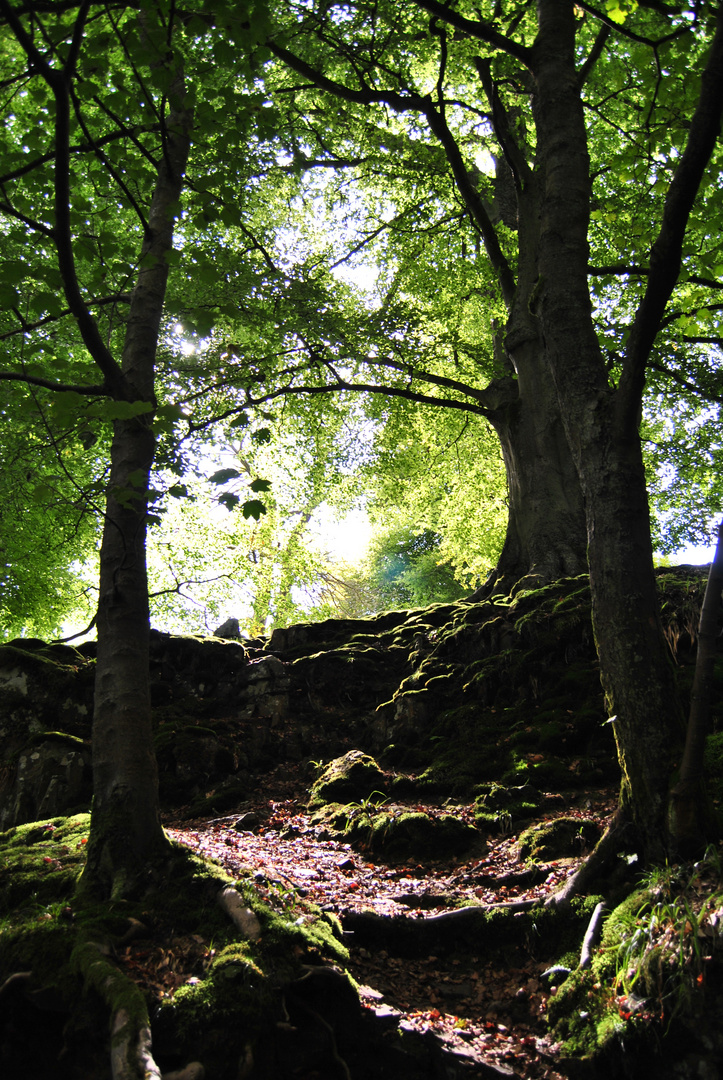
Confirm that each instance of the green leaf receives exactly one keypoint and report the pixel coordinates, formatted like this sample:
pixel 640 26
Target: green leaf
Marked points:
pixel 42 493
pixel 170 411
pixel 138 478
pixel 241 420
pixel 229 500
pixel 263 435
pixel 120 410
pixel 223 476
pixel 9 296
pixel 253 509
pixel 260 485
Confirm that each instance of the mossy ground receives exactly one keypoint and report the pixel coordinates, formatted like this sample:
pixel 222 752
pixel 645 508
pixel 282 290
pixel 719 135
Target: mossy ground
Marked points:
pixel 646 984
pixel 499 701
pixel 224 991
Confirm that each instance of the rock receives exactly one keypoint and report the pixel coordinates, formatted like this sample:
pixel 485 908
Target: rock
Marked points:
pixel 247 822
pixel 52 777
pixel 351 777
pixel 563 837
pixel 229 629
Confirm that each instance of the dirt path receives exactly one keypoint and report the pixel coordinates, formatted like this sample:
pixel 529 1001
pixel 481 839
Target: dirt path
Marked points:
pixel 485 1010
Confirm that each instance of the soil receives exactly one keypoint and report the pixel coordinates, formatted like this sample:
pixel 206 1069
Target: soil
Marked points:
pixel 484 1010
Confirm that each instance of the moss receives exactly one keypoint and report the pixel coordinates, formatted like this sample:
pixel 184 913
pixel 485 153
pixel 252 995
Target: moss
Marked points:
pixel 565 836
pixel 587 1014
pixel 61 936
pixel 40 861
pixel 414 833
pixel 353 776
pixel 499 808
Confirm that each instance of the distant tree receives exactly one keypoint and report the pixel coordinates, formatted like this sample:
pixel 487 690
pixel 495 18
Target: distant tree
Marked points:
pixel 404 570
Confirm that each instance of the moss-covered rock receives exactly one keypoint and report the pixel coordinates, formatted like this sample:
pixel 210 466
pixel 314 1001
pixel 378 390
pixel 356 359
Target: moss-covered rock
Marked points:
pixel 561 838
pixel 401 834
pixel 353 776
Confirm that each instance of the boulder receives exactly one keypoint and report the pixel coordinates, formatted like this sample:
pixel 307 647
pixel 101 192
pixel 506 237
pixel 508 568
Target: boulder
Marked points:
pixel 52 777
pixel 354 776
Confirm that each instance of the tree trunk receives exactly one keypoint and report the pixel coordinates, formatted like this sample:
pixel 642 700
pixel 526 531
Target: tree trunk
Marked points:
pixel 690 807
pixel 126 833
pixel 126 837
pixel 546 536
pixel 635 666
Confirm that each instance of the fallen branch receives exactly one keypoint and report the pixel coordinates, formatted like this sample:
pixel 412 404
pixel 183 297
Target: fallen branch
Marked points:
pixel 592 935
pixel 243 918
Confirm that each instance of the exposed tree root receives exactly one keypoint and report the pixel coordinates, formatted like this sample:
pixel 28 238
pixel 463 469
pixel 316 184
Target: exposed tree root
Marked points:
pixel 592 935
pixel 595 870
pixel 241 916
pixel 15 983
pixel 405 937
pixel 131 1054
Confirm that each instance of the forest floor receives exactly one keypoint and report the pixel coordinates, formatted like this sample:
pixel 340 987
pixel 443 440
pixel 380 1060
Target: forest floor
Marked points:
pixel 486 1010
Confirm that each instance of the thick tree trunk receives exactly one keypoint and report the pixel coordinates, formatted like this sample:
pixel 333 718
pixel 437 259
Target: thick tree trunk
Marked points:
pixel 546 535
pixel 126 837
pixel 635 667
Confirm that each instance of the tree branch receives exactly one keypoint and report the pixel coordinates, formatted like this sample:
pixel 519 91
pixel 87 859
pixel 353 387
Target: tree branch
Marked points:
pixel 706 395
pixel 625 31
pixel 105 161
pixel 88 390
pixel 35 226
pixel 58 82
pixel 501 124
pixel 666 254
pixel 483 31
pixel 27 327
pixel 632 270
pixel 367 96
pixel 594 54
pixel 472 200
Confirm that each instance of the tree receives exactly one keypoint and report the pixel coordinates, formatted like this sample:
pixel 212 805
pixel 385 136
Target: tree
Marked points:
pixel 405 570
pixel 98 123
pixel 100 107
pixel 629 96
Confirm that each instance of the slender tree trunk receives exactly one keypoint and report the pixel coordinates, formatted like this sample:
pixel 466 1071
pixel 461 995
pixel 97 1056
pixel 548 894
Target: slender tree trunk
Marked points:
pixel 126 837
pixel 689 804
pixel 126 834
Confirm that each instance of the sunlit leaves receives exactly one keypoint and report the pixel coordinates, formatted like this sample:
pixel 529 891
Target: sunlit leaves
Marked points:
pixel 618 10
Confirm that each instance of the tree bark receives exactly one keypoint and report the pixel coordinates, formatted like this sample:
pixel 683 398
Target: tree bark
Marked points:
pixel 546 536
pixel 126 837
pixel 689 804
pixel 635 667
